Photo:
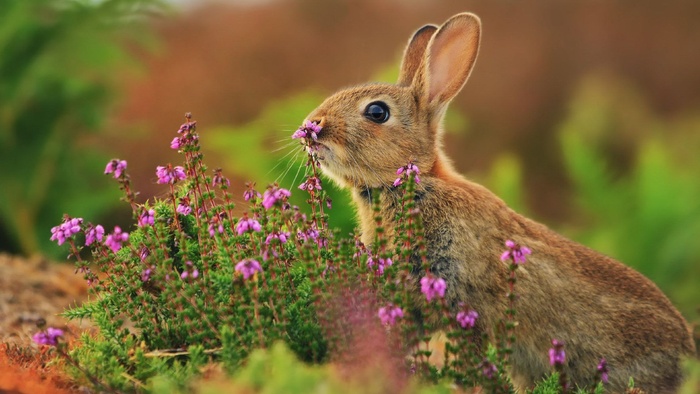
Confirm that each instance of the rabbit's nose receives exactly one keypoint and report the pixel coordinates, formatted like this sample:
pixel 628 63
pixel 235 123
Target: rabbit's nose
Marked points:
pixel 319 120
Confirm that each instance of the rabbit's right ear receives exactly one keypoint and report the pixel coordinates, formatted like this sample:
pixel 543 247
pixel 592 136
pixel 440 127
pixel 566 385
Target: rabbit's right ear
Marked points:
pixel 449 59
pixel 414 54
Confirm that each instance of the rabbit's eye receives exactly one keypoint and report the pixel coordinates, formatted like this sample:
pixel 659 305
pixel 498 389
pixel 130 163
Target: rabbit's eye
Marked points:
pixel 377 112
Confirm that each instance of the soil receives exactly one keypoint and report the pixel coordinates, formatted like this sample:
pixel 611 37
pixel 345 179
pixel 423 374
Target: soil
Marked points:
pixel 34 290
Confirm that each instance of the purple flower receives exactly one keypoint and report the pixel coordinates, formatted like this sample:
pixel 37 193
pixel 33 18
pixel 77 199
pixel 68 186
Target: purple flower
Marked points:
pixel 116 166
pixel 381 263
pixel 147 218
pixel 215 224
pixel 603 370
pixel 94 234
pixel 411 170
pixel 170 174
pixel 488 369
pixel 219 179
pixel 308 128
pixel 144 253
pixel 274 194
pixel 250 192
pixel 186 127
pixel 114 240
pixel 176 143
pixel 248 268
pixel 310 234
pixel 194 274
pixel 515 252
pixel 467 319
pixel 432 287
pixel 389 314
pixel 279 235
pixel 313 183
pixel 246 224
pixel 65 230
pixel 48 337
pixel 557 355
pixel 183 209
pixel 146 274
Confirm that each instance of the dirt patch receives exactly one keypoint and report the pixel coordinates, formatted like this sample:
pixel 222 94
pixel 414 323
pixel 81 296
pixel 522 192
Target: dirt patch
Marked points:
pixel 32 289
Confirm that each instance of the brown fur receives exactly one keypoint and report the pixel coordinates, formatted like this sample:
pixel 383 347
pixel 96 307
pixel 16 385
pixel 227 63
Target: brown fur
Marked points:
pixel 596 305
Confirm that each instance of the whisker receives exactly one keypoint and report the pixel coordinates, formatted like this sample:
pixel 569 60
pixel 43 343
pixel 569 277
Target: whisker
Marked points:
pixel 282 159
pixel 306 169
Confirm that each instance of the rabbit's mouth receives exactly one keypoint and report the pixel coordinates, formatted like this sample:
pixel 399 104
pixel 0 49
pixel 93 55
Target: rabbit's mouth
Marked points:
pixel 332 165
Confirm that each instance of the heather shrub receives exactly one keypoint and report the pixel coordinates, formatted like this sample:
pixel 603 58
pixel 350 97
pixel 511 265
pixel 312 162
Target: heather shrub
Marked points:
pixel 197 285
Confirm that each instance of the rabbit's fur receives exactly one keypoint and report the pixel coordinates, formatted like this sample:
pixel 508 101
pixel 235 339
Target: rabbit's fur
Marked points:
pixel 596 305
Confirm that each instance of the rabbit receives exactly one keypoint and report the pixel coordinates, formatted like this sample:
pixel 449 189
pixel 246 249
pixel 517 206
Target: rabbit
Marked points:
pixel 597 306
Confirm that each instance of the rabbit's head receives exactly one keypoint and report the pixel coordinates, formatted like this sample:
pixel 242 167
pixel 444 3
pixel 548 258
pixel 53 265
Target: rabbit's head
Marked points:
pixel 371 130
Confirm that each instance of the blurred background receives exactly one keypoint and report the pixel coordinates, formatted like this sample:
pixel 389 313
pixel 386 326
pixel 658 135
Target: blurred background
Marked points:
pixel 584 114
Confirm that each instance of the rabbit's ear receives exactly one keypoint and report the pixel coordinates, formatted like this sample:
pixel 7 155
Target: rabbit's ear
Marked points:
pixel 414 54
pixel 449 59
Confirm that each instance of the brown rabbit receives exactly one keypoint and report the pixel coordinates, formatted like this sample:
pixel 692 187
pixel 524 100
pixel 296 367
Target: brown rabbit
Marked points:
pixel 596 305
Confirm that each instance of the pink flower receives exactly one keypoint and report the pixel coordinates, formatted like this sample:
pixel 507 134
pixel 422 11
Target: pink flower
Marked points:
pixel 114 240
pixel 279 235
pixel 381 263
pixel 467 319
pixel 603 370
pixel 186 127
pixel 183 209
pixel 48 337
pixel 310 234
pixel 147 218
pixel 389 314
pixel 176 143
pixel 313 183
pixel 274 194
pixel 246 224
pixel 557 356
pixel 66 230
pixel 488 369
pixel 219 179
pixel 116 166
pixel 250 192
pixel 146 274
pixel 515 252
pixel 307 129
pixel 432 287
pixel 248 267
pixel 215 225
pixel 170 174
pixel 411 170
pixel 94 234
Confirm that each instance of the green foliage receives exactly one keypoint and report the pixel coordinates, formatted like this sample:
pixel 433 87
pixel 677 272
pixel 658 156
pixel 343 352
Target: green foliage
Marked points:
pixel 692 372
pixel 57 62
pixel 505 180
pixel 276 370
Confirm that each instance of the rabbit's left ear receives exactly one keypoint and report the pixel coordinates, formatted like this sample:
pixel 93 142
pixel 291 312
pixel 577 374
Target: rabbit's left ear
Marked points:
pixel 449 60
pixel 414 54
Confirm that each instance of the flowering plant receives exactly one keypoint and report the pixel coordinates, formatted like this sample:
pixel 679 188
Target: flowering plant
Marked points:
pixel 197 280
